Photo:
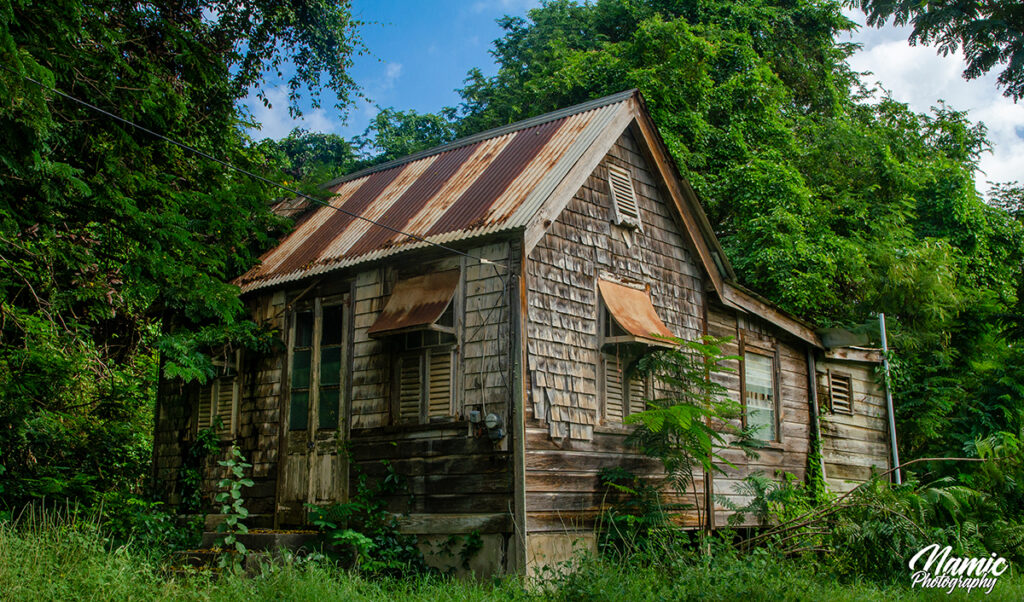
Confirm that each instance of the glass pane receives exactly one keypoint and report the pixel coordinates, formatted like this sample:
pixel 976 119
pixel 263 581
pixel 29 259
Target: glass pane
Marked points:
pixel 760 398
pixel 304 329
pixel 298 417
pixel 300 369
pixel 328 409
pixel 331 334
pixel 330 366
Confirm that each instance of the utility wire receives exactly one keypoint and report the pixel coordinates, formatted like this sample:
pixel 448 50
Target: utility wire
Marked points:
pixel 243 171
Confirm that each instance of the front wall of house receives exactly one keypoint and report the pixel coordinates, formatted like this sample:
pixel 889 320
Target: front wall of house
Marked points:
pixel 456 480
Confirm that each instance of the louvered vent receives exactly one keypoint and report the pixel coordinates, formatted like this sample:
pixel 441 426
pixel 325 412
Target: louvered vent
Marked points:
pixel 627 210
pixel 841 393
pixel 612 390
pixel 409 389
pixel 440 391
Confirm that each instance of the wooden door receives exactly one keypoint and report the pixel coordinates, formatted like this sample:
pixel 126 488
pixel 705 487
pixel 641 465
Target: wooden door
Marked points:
pixel 314 466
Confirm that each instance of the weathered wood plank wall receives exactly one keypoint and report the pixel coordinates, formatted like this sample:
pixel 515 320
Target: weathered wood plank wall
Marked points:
pixel 853 444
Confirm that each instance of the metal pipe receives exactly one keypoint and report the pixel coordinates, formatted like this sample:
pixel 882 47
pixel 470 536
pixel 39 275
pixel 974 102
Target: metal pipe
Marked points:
pixel 888 401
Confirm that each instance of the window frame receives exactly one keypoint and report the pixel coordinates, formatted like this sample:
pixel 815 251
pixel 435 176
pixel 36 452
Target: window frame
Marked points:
pixel 447 342
pixel 314 386
pixel 770 351
pixel 612 335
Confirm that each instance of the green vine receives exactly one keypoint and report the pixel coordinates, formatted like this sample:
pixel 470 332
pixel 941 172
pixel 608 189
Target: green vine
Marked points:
pixel 233 509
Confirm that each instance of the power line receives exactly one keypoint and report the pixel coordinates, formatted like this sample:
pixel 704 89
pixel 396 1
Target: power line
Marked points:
pixel 243 171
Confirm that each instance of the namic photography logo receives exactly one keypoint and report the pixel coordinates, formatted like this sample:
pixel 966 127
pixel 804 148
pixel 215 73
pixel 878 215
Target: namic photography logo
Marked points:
pixel 934 567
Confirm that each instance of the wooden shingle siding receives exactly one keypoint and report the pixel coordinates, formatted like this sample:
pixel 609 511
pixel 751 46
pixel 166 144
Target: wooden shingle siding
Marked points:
pixel 566 446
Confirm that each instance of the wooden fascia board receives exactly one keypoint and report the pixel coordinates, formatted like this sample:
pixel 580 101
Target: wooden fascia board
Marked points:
pixel 685 199
pixel 743 301
pixel 574 179
pixel 854 354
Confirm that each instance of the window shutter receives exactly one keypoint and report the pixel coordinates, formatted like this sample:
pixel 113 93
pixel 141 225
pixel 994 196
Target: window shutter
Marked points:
pixel 841 392
pixel 612 390
pixel 637 403
pixel 440 384
pixel 206 405
pixel 760 395
pixel 226 396
pixel 409 389
pixel 627 210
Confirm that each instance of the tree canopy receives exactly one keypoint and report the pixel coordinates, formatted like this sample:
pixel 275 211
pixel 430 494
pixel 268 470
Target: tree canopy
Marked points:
pixel 115 245
pixel 990 33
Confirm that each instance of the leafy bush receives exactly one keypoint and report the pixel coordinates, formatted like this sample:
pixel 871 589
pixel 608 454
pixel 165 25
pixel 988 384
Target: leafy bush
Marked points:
pixel 364 536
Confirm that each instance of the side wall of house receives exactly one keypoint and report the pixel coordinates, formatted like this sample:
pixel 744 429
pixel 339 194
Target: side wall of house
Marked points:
pixel 855 443
pixel 567 445
pixel 180 473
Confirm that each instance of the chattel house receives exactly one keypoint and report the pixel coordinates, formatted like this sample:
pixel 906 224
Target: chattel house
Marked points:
pixel 479 343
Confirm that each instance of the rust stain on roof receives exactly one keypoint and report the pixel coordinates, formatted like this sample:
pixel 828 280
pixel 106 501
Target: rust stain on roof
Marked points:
pixel 632 310
pixel 482 184
pixel 416 302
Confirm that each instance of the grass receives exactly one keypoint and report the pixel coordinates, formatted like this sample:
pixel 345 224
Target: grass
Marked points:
pixel 56 559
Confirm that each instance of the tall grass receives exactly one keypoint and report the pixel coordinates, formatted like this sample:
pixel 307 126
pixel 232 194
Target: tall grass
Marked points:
pixel 53 556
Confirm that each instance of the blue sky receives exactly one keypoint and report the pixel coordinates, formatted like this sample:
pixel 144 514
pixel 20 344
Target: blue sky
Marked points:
pixel 421 51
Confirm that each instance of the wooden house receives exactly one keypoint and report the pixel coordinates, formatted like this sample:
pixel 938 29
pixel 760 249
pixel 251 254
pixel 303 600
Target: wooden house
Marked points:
pixel 460 314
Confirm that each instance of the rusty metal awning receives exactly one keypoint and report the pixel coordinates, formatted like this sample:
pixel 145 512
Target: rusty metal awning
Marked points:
pixel 416 303
pixel 633 311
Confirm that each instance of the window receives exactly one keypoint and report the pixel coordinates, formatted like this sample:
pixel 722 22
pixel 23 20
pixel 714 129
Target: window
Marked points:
pixel 760 395
pixel 316 368
pixel 424 377
pixel 627 210
pixel 840 388
pixel 622 396
pixel 218 399
pixel 418 322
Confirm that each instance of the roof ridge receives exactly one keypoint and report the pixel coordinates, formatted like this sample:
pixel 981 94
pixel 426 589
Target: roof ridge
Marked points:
pixel 487 134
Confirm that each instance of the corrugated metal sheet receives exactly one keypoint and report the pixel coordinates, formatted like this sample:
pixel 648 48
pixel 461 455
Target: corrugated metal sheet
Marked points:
pixel 486 183
pixel 632 310
pixel 416 302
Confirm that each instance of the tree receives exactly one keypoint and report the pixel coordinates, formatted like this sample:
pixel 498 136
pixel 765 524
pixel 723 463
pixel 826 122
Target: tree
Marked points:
pixel 990 32
pixel 833 207
pixel 115 245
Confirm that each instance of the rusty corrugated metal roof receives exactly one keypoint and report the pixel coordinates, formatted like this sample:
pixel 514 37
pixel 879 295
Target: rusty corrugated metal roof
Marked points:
pixel 416 302
pixel 632 310
pixel 482 184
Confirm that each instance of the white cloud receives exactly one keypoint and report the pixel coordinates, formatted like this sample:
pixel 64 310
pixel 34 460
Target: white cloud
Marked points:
pixel 920 77
pixel 275 121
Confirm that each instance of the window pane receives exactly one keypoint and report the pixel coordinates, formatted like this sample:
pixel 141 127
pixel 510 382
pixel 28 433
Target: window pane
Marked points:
pixel 759 374
pixel 331 334
pixel 300 369
pixel 298 417
pixel 304 329
pixel 328 410
pixel 330 366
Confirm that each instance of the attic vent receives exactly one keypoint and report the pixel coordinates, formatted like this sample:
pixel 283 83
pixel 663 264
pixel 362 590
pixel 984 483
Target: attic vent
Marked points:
pixel 627 211
pixel 841 392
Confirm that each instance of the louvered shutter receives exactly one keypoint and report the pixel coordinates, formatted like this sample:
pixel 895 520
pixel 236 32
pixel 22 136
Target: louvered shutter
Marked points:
pixel 409 388
pixel 226 396
pixel 613 406
pixel 206 405
pixel 637 403
pixel 440 384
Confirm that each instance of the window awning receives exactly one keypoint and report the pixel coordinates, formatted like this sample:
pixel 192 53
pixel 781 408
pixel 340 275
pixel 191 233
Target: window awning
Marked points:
pixel 416 303
pixel 633 311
